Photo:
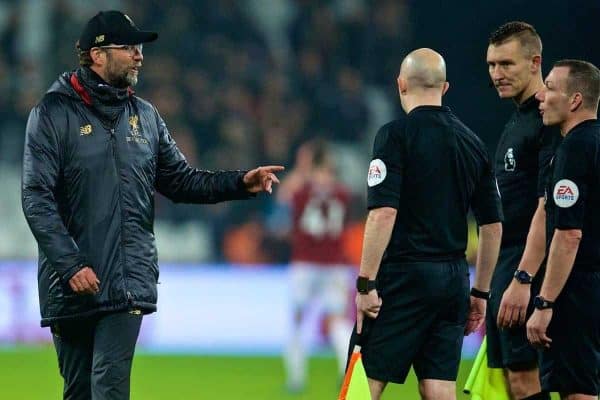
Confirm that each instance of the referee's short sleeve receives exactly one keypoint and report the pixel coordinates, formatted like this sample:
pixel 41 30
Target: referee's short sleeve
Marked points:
pixel 569 185
pixel 384 177
pixel 485 201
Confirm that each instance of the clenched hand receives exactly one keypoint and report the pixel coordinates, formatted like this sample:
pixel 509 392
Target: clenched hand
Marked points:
pixel 367 304
pixel 476 315
pixel 85 281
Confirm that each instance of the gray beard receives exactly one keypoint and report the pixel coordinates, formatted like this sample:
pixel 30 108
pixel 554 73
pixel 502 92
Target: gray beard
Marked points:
pixel 122 81
pixel 131 78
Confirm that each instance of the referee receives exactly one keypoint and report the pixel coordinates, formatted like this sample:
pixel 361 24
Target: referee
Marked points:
pixel 566 322
pixel 413 305
pixel 514 59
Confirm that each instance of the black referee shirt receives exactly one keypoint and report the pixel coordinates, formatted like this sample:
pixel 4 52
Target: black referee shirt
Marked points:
pixel 523 155
pixel 573 194
pixel 431 168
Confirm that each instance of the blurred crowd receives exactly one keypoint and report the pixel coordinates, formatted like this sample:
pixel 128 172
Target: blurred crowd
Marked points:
pixel 238 85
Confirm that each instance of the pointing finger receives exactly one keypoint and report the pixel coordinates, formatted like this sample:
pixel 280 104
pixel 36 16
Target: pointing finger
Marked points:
pixel 273 168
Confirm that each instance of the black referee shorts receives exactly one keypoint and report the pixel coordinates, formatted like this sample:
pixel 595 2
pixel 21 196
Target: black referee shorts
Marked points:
pixel 572 363
pixel 421 321
pixel 508 347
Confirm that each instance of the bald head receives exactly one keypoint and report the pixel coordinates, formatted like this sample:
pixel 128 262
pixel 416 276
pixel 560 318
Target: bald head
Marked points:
pixel 424 69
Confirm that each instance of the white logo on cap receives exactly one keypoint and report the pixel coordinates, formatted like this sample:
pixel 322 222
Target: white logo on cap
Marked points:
pixel 566 193
pixel 377 172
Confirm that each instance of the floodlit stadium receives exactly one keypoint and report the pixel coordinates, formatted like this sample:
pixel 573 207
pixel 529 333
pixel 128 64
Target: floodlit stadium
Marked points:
pixel 241 84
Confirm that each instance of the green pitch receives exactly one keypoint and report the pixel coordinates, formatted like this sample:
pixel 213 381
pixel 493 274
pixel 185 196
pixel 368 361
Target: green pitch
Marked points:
pixel 32 374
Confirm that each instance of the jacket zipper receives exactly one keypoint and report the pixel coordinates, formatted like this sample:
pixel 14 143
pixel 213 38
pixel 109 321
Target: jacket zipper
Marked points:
pixel 116 159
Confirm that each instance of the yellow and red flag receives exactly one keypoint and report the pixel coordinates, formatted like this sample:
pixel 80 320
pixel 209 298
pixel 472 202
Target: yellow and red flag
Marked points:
pixel 486 383
pixel 355 386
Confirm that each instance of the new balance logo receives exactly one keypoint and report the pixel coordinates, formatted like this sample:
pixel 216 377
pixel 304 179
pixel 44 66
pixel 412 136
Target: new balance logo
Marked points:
pixel 85 130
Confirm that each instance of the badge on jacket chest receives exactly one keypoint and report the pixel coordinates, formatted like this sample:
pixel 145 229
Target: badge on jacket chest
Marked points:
pixel 134 131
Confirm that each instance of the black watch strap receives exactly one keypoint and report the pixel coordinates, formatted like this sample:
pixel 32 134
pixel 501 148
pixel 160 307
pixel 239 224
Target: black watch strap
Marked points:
pixel 364 285
pixel 480 294
pixel 523 277
pixel 541 303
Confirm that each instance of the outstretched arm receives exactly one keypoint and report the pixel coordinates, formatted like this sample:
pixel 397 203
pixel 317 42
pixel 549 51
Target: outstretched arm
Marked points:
pixel 180 182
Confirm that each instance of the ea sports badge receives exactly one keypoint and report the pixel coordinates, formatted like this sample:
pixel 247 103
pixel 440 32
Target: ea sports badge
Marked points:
pixel 377 172
pixel 565 193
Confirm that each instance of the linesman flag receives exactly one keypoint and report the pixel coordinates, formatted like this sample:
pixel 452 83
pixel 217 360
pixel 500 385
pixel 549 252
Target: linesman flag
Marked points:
pixel 355 386
pixel 486 383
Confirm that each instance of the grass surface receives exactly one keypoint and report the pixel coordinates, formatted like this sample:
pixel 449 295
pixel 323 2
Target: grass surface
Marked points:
pixel 32 374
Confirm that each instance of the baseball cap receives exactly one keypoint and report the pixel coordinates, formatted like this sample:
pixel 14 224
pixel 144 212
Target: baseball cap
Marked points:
pixel 112 27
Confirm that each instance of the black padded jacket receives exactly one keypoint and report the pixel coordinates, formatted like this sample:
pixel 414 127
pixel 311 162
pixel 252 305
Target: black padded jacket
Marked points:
pixel 88 195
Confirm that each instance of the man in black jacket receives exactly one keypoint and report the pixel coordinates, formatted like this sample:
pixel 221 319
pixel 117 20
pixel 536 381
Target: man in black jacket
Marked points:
pixel 94 156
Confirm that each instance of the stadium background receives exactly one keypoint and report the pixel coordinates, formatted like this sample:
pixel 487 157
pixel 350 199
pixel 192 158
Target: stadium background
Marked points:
pixel 242 83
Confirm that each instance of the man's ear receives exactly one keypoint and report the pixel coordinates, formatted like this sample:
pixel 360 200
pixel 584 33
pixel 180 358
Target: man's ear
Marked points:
pixel 445 88
pixel 575 101
pixel 536 63
pixel 402 85
pixel 98 56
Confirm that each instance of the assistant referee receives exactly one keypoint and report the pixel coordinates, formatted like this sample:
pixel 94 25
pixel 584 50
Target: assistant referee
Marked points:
pixel 525 148
pixel 566 322
pixel 428 170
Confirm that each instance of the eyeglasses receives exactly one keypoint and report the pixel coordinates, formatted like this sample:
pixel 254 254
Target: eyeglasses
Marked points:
pixel 130 48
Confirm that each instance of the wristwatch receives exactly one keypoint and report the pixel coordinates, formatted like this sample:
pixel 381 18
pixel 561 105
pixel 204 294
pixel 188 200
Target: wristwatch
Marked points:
pixel 523 277
pixel 364 285
pixel 541 303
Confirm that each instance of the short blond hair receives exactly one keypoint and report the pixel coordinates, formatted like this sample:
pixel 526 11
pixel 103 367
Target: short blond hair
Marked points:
pixel 521 31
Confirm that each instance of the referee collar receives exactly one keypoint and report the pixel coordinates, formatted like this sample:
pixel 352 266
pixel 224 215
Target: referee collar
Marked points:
pixel 528 104
pixel 583 124
pixel 429 108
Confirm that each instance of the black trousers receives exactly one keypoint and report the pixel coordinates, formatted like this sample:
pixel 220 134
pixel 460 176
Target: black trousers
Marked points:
pixel 95 355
